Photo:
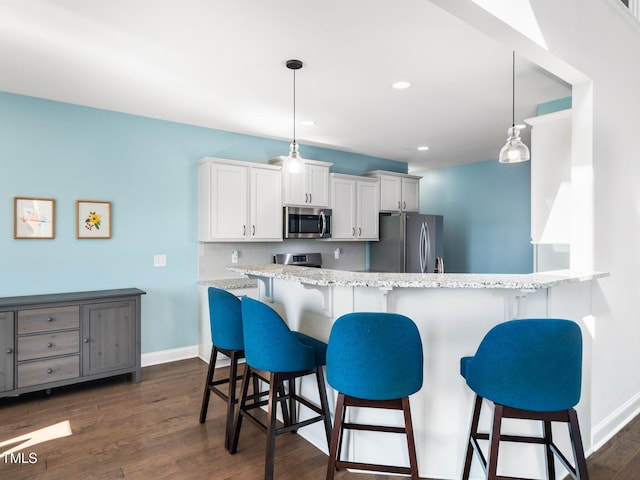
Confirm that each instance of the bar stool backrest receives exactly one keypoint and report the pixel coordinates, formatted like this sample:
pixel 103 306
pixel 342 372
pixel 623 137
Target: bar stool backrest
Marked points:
pixel 269 343
pixel 375 356
pixel 530 364
pixel 225 318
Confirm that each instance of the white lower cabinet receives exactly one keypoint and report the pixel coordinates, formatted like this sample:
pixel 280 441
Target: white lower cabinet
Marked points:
pixel 239 201
pixel 355 207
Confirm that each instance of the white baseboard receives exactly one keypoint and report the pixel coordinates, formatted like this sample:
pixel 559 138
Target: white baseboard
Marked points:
pixel 607 428
pixel 172 355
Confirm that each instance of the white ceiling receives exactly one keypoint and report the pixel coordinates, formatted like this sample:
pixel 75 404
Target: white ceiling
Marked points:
pixel 221 64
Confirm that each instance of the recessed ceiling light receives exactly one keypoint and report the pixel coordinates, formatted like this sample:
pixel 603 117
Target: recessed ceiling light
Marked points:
pixel 423 148
pixel 400 85
pixel 307 123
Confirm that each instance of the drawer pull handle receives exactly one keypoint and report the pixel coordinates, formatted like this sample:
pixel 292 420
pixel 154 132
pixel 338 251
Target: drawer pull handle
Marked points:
pixel 9 350
pixel 50 319
pixel 49 370
pixel 49 344
pixel 86 340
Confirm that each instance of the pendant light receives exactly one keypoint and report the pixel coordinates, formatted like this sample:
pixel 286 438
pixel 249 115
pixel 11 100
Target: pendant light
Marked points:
pixel 514 150
pixel 293 162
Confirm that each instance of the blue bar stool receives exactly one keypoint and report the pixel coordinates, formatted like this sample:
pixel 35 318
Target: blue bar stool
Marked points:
pixel 277 355
pixel 225 317
pixel 374 360
pixel 530 369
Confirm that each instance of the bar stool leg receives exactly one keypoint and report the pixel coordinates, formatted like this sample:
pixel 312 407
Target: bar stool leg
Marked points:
pixel 207 386
pixel 473 431
pixel 237 424
pixel 275 383
pixel 232 399
pixel 494 442
pixel 411 444
pixel 576 445
pixel 548 441
pixel 336 438
pixel 324 402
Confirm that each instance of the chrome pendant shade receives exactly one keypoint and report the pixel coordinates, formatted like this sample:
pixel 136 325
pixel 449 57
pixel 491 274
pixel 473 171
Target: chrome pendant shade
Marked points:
pixel 514 151
pixel 293 162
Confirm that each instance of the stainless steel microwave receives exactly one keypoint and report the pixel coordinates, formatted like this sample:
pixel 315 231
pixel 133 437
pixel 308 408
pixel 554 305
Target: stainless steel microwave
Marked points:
pixel 300 222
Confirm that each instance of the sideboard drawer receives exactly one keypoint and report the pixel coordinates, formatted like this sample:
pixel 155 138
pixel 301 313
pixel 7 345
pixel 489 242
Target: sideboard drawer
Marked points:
pixel 48 344
pixel 45 371
pixel 47 319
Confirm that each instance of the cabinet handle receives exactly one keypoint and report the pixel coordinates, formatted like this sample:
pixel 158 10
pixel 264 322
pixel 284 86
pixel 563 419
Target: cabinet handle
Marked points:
pixel 9 350
pixel 49 370
pixel 49 319
pixel 310 198
pixel 353 231
pixel 49 344
pixel 244 230
pixel 86 340
pixel 253 230
pixel 306 198
pixel 398 204
pixel 404 205
pixel 359 231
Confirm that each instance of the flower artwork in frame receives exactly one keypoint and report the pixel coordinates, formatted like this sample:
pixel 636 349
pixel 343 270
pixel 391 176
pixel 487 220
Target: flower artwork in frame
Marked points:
pixel 33 217
pixel 93 219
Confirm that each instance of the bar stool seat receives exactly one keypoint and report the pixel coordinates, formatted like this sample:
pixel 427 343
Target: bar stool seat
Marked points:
pixel 225 318
pixel 374 360
pixel 530 369
pixel 279 356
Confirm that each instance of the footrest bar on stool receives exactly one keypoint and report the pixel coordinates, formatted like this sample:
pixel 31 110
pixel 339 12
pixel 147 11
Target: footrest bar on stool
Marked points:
pixel 373 467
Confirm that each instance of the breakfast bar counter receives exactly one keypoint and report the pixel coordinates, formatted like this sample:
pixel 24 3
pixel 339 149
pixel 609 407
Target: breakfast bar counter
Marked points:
pixel 453 312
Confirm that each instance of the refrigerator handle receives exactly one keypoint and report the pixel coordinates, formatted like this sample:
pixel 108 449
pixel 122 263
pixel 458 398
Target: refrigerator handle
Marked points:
pixel 427 248
pixel 422 248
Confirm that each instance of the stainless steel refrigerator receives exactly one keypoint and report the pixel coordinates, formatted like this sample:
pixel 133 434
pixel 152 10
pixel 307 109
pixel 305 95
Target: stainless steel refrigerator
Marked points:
pixel 409 243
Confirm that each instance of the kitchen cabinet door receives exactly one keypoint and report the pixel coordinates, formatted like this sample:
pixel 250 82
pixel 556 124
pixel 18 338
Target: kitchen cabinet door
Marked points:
pixel 410 195
pixel 318 185
pixel 222 202
pixel 390 193
pixel 368 210
pixel 266 204
pixel 343 208
pixel 306 187
pixel 7 360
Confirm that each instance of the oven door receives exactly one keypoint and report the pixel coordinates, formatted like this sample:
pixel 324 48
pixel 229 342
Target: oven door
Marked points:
pixel 307 222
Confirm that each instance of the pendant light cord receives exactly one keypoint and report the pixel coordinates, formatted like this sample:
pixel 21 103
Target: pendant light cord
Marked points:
pixel 294 106
pixel 513 90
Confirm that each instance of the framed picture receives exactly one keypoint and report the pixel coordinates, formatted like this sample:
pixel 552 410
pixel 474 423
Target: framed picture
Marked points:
pixel 93 219
pixel 33 217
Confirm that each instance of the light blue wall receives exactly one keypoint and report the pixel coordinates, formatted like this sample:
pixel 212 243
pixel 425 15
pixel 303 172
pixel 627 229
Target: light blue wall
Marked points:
pixel 486 208
pixel 147 169
pixel 555 105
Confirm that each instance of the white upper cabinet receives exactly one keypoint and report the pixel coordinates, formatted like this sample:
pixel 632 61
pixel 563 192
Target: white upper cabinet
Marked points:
pixel 308 187
pixel 355 207
pixel 398 192
pixel 239 201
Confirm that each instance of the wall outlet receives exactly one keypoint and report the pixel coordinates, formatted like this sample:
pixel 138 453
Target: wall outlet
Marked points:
pixel 234 256
pixel 336 253
pixel 159 260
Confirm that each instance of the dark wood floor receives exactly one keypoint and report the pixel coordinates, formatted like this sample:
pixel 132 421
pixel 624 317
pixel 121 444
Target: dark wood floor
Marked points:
pixel 151 430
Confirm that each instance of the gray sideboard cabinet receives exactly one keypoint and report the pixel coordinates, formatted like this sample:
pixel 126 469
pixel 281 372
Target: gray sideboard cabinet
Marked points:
pixel 48 341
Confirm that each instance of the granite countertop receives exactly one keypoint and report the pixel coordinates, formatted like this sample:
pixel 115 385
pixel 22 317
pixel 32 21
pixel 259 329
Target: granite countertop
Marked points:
pixel 230 283
pixel 327 277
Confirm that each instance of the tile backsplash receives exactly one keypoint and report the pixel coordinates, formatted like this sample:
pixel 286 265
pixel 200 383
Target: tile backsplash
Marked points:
pixel 215 257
